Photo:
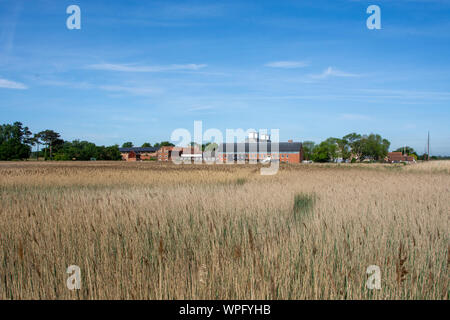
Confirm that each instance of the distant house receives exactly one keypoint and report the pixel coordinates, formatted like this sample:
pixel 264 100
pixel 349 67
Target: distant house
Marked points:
pixel 397 157
pixel 259 151
pixel 137 154
pixel 169 153
pixel 165 153
pixel 291 152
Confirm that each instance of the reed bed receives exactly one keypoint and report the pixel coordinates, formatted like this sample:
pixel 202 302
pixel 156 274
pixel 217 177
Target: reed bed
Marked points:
pixel 163 231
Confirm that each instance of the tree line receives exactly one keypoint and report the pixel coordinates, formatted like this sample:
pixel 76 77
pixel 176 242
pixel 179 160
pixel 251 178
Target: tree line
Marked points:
pixel 149 145
pixel 16 142
pixel 353 147
pixel 356 147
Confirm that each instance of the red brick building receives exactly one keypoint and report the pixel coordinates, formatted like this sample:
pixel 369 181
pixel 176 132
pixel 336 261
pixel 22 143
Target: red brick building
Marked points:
pixel 171 153
pixel 137 154
pixel 290 152
pixel 394 157
pixel 166 153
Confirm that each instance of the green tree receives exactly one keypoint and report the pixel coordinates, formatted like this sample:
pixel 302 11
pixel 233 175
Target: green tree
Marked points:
pixel 50 138
pixel 409 151
pixel 146 145
pixel 84 150
pixel 375 147
pixel 15 141
pixel 344 149
pixel 326 151
pixel 127 145
pixel 210 146
pixel 112 153
pixel 308 149
pixel 164 144
pixel 353 140
pixel 37 142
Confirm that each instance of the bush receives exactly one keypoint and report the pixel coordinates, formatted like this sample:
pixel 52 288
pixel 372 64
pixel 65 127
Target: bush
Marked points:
pixel 303 204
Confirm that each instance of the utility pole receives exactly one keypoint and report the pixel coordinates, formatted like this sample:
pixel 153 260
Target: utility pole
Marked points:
pixel 428 151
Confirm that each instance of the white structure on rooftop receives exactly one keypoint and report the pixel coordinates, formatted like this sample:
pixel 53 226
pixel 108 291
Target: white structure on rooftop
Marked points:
pixel 256 137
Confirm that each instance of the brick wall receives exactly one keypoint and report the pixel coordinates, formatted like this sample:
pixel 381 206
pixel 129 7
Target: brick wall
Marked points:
pixel 283 157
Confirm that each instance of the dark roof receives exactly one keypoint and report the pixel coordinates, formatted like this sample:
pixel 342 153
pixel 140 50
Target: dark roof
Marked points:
pixel 139 149
pixel 260 147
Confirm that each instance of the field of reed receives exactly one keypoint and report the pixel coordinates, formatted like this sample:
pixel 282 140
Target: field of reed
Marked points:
pixel 163 231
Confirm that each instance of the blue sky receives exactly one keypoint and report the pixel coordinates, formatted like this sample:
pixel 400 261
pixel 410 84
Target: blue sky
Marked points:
pixel 137 70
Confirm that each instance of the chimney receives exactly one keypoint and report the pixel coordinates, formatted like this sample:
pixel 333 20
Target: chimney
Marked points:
pixel 290 141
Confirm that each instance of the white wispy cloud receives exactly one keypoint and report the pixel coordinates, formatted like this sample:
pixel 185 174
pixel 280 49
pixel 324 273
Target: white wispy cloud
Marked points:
pixel 136 68
pixel 129 89
pixel 134 89
pixel 8 27
pixel 333 72
pixel 201 108
pixel 59 83
pixel 287 64
pixel 8 84
pixel 166 14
